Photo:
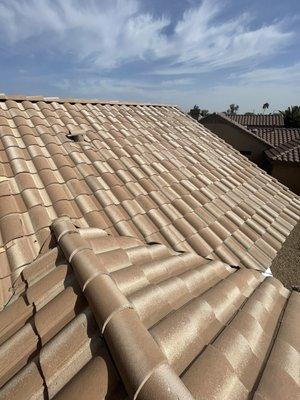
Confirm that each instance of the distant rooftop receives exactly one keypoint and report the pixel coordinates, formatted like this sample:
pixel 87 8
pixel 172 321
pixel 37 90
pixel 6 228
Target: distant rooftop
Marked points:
pixel 289 151
pixel 258 119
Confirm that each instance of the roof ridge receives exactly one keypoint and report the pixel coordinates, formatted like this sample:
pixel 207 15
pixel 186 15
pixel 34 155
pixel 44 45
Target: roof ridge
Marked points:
pixel 107 303
pixel 50 99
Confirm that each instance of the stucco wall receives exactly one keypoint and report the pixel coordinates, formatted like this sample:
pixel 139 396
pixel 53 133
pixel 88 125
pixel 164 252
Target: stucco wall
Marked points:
pixel 288 174
pixel 239 139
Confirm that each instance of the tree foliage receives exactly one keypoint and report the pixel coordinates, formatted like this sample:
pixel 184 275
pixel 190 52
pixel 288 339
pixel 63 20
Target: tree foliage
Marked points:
pixel 197 113
pixel 291 117
pixel 233 108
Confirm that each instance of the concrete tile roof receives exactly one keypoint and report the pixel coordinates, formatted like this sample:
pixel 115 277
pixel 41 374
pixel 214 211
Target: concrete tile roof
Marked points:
pixel 277 136
pixel 132 258
pixel 286 152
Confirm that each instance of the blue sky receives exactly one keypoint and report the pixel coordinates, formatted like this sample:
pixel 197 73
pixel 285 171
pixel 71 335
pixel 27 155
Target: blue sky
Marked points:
pixel 185 52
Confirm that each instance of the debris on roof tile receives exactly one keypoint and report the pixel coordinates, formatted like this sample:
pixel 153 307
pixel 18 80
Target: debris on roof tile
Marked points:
pixel 76 134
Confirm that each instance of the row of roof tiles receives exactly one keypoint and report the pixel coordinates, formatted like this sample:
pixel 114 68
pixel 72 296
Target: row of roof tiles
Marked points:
pixel 277 136
pixel 49 99
pixel 289 151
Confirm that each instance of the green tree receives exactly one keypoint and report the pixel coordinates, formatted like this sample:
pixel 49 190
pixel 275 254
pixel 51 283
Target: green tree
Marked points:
pixel 291 117
pixel 233 108
pixel 265 106
pixel 204 113
pixel 196 112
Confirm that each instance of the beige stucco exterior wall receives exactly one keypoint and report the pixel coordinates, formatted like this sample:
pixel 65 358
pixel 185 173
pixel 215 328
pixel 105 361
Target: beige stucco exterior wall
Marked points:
pixel 239 139
pixel 288 174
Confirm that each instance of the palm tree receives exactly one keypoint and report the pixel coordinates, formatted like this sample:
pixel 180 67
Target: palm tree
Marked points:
pixel 265 106
pixel 232 109
pixel 291 117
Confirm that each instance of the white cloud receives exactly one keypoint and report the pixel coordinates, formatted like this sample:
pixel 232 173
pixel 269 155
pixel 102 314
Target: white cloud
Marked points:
pixel 108 34
pixel 277 74
pixel 185 93
pixel 104 35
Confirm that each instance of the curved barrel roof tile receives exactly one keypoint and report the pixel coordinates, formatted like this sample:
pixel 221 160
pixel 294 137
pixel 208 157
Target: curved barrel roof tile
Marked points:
pixel 132 258
pixel 145 171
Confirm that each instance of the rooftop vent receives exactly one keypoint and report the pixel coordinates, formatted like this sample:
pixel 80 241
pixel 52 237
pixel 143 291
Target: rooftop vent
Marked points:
pixel 76 134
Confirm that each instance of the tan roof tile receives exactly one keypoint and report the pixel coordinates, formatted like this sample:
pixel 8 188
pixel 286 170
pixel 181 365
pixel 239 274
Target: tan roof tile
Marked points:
pixel 153 174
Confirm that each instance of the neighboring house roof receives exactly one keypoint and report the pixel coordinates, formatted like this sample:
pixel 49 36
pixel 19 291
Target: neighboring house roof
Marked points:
pixel 174 325
pixel 228 120
pixel 258 119
pixel 289 151
pixel 272 137
pixel 277 136
pixel 125 233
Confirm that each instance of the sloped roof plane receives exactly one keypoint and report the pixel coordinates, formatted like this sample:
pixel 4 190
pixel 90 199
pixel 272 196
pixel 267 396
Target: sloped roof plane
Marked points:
pixel 132 260
pixel 277 136
pixel 289 152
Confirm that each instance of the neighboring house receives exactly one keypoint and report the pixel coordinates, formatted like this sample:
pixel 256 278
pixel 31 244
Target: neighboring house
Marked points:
pixel 243 140
pixel 254 136
pixel 285 163
pixel 135 256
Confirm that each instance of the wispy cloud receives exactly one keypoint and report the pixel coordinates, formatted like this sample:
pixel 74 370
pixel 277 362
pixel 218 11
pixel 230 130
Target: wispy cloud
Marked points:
pixel 275 74
pixel 209 52
pixel 102 35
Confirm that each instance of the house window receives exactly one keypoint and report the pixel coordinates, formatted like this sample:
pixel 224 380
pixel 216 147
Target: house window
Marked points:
pixel 246 153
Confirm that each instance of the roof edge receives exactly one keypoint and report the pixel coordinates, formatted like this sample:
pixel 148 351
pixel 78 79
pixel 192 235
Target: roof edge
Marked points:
pixel 50 99
pixel 282 148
